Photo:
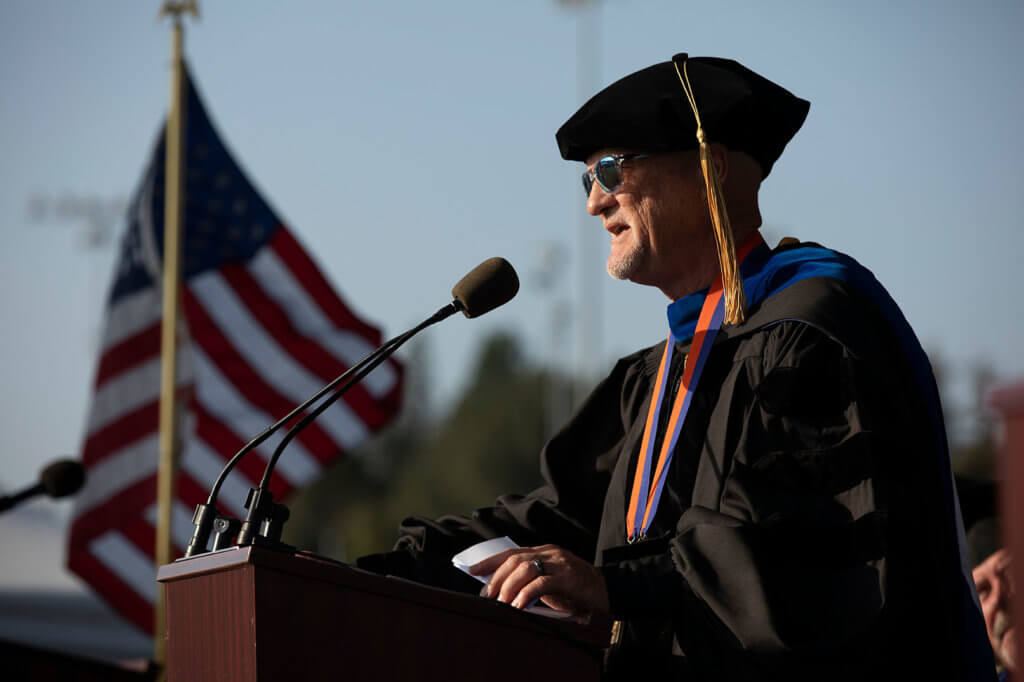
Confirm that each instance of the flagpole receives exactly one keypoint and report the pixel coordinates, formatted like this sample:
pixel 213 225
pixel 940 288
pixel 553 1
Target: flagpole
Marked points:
pixel 174 202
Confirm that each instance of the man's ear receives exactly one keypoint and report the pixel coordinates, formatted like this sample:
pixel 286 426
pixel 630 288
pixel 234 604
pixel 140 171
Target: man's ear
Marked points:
pixel 720 158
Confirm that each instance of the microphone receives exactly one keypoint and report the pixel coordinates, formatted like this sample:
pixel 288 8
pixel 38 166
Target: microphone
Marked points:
pixel 58 479
pixel 489 285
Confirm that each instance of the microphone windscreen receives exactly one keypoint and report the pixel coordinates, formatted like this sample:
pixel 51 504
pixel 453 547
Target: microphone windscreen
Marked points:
pixel 63 477
pixel 489 285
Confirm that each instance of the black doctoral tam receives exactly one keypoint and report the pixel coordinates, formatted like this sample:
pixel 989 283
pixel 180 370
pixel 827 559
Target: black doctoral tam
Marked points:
pixel 648 111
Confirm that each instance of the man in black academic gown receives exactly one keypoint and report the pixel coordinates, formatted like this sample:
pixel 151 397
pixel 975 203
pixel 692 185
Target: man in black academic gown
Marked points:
pixel 766 495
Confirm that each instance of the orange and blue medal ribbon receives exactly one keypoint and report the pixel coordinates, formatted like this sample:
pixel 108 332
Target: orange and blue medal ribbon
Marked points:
pixel 708 324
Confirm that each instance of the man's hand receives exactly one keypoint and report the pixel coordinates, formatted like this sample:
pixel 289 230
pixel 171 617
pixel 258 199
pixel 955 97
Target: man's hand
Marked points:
pixel 556 576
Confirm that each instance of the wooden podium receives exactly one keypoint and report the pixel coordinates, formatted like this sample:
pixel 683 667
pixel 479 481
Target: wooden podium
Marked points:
pixel 251 613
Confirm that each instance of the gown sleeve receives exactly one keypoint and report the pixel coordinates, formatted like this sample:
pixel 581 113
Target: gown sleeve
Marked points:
pixel 576 466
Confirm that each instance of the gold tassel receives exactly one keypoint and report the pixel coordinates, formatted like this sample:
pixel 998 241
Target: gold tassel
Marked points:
pixel 732 283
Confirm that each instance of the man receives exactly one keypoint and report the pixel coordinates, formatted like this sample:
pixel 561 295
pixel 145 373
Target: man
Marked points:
pixel 992 570
pixel 995 588
pixel 767 495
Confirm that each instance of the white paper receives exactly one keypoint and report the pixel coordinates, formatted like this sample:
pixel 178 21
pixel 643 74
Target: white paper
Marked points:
pixel 483 550
pixel 480 551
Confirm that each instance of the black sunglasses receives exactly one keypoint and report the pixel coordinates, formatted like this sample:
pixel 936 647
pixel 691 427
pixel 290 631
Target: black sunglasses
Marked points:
pixel 608 172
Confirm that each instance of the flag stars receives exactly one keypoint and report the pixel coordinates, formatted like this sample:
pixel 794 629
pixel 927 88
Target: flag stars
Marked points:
pixel 131 249
pixel 225 221
pixel 125 268
pixel 131 265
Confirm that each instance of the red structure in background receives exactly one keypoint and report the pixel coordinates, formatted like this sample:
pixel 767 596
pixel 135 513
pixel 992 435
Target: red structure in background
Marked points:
pixel 1008 400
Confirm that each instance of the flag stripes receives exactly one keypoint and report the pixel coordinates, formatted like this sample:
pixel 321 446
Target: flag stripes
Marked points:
pixel 262 331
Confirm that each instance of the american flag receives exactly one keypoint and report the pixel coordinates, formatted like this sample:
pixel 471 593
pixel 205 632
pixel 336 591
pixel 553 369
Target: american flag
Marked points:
pixel 262 330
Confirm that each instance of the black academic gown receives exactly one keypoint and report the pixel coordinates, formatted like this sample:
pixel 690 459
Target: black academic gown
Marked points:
pixel 806 530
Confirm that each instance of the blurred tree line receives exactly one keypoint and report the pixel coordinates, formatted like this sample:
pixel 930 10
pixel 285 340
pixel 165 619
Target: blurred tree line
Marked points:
pixel 488 443
pixel 969 422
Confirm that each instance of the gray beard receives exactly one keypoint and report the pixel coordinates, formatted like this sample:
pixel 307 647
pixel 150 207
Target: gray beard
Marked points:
pixel 1001 624
pixel 626 266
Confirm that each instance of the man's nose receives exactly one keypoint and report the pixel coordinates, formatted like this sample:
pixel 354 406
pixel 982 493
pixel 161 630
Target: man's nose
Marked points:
pixel 598 201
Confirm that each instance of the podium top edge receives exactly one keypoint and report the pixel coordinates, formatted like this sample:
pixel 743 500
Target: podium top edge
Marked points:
pixel 204 563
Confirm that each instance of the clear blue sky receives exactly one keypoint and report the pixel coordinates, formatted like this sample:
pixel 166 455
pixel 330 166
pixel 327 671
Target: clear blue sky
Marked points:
pixel 406 141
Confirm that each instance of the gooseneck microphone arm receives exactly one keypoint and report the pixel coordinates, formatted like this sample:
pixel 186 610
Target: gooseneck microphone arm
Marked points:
pixel 10 501
pixel 386 351
pixel 489 285
pixel 261 498
pixel 270 430
pixel 204 516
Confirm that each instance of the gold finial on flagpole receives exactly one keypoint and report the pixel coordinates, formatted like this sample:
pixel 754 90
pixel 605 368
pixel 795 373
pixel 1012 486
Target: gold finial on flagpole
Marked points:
pixel 174 9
